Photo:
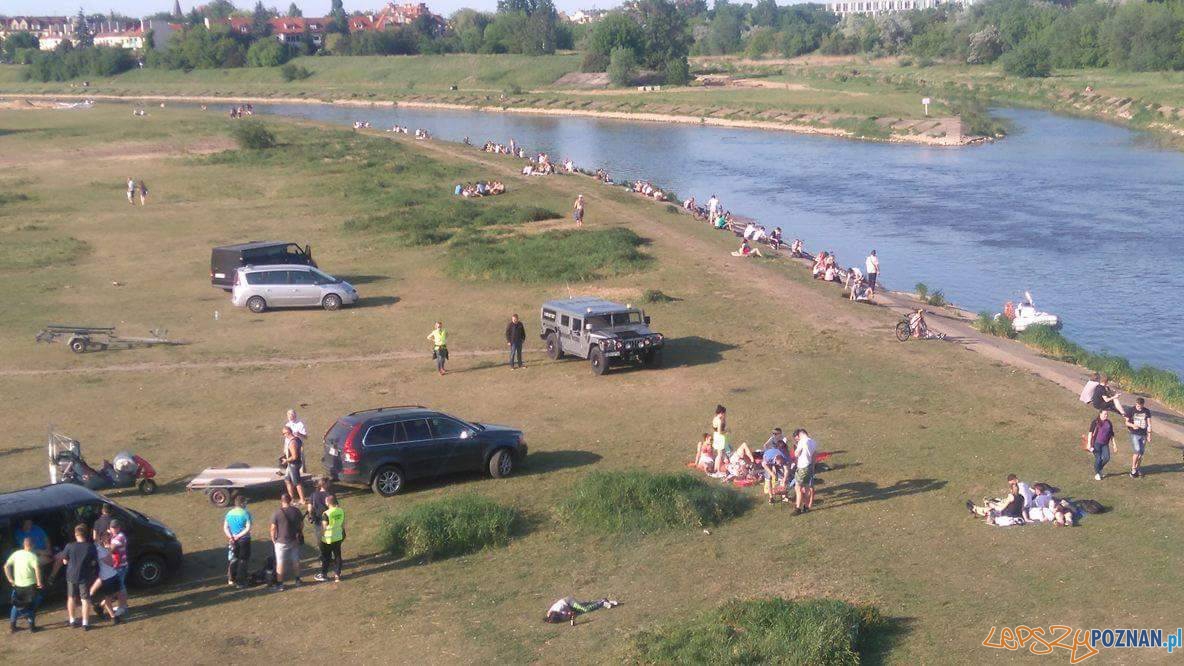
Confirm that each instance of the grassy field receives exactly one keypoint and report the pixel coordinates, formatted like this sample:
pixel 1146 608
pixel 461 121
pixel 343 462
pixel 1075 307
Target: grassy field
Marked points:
pixel 915 429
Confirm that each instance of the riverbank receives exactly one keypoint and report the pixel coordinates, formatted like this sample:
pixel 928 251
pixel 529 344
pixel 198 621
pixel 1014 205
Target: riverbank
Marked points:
pixel 939 131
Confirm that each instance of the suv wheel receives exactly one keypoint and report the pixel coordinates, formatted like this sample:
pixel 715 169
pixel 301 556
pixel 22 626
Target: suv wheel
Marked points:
pixel 149 571
pixel 598 361
pixel 331 302
pixel 501 463
pixel 256 304
pixel 388 481
pixel 554 351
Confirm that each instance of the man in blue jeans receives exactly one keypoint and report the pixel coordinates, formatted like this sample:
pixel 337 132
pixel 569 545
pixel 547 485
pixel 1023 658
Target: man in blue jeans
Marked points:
pixel 515 336
pixel 1138 422
pixel 1101 436
pixel 23 571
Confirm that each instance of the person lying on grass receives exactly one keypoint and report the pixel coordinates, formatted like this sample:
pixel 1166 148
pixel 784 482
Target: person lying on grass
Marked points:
pixel 747 250
pixel 567 608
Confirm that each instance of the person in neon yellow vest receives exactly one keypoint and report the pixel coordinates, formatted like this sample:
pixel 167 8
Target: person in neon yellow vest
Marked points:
pixel 439 338
pixel 332 534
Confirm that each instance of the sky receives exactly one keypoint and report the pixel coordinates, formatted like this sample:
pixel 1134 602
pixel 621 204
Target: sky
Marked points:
pixel 309 7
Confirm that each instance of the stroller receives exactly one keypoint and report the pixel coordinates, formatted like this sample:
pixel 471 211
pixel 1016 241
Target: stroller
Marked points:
pixel 127 470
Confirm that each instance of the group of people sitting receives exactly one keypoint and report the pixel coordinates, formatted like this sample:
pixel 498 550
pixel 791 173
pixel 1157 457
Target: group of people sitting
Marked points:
pixel 399 129
pixel 480 189
pixel 758 234
pixel 857 287
pixel 502 149
pixel 1025 504
pixel 602 176
pixel 826 268
pixel 779 464
pixel 647 189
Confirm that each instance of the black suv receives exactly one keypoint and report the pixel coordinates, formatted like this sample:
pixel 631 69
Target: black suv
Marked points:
pixel 384 447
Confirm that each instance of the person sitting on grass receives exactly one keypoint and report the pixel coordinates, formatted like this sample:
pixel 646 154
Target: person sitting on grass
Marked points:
pixel 705 455
pixel 775 238
pixel 1002 512
pixel 1040 509
pixel 721 222
pixel 759 235
pixel 498 187
pixel 776 465
pixel 1105 398
pixel 746 250
pixel 797 249
pixel 567 608
pixel 819 267
pixel 1063 514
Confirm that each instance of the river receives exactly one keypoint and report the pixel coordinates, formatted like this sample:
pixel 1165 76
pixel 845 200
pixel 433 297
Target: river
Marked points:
pixel 1084 214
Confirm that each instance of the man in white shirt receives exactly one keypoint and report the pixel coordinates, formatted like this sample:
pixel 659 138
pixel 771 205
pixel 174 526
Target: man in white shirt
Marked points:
pixel 873 271
pixel 803 453
pixel 712 206
pixel 297 427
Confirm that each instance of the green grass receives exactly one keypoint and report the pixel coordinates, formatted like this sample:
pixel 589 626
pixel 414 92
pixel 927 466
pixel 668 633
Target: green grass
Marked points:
pixel 814 632
pixel 448 527
pixel 431 218
pixel 639 501
pixel 23 250
pixel 553 256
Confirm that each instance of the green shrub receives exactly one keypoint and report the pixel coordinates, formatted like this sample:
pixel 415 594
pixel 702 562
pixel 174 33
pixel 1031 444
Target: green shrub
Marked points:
pixel 937 298
pixel 448 527
pixel 554 256
pixel 267 53
pixel 763 631
pixel 992 325
pixel 421 219
pixel 293 72
pixel 639 501
pixel 253 135
pixel 622 66
pixel 922 290
pixel 1028 60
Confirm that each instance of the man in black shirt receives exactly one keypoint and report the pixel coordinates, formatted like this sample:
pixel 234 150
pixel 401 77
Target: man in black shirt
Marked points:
pixel 82 563
pixel 515 336
pixel 1138 422
pixel 287 533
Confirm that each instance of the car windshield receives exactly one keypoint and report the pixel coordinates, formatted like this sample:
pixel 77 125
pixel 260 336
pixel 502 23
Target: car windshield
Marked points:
pixel 323 278
pixel 615 319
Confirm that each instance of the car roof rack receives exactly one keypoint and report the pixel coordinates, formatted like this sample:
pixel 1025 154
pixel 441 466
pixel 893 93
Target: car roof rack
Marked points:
pixel 379 409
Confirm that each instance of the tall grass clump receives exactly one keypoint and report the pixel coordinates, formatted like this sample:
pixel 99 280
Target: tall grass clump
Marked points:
pixel 417 218
pixel 448 527
pixel 991 325
pixel 253 135
pixel 554 256
pixel 936 298
pixel 20 252
pixel 922 290
pixel 639 501
pixel 763 631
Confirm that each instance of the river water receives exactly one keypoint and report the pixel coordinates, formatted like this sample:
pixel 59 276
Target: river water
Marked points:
pixel 1084 214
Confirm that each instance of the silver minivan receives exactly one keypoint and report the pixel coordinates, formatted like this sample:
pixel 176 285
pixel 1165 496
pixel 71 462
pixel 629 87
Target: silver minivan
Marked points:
pixel 289 286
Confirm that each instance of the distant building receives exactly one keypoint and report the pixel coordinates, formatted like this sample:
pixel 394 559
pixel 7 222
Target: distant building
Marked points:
pixel 584 16
pixel 873 7
pixel 51 31
pixel 394 16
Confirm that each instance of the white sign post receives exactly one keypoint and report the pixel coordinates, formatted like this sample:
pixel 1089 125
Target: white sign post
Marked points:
pixel 925 101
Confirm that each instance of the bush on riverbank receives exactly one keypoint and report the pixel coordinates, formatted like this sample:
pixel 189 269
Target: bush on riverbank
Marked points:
pixel 763 631
pixel 554 256
pixel 253 135
pixel 639 501
pixel 1161 384
pixel 448 527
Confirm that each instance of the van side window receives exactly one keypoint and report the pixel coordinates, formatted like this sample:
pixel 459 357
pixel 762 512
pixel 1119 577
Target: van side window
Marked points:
pixel 275 277
pixel 379 435
pixel 565 321
pixel 577 325
pixel 301 277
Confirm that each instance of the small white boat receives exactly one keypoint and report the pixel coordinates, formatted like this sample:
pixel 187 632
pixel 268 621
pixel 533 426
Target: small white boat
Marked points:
pixel 1025 314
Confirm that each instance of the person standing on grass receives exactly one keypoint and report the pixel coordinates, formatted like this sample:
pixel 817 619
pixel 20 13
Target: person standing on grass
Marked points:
pixel 297 426
pixel 515 337
pixel 719 433
pixel 102 523
pixel 237 528
pixel 439 338
pixel 82 567
pixel 872 264
pixel 1101 436
pixel 131 191
pixel 712 207
pixel 287 531
pixel 23 571
pixel 119 558
pixel 143 193
pixel 1138 422
pixel 293 461
pixel 804 477
pixel 332 534
pixel 579 210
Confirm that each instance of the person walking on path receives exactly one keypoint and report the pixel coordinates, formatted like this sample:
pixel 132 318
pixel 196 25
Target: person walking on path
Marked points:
pixel 872 264
pixel 293 462
pixel 515 337
pixel 1101 436
pixel 287 531
pixel 23 571
pixel 131 191
pixel 803 478
pixel 579 210
pixel 143 193
pixel 81 559
pixel 332 534
pixel 439 338
pixel 1138 422
pixel 237 528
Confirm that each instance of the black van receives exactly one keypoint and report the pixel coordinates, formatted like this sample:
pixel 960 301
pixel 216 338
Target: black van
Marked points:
pixel 153 549
pixel 225 260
